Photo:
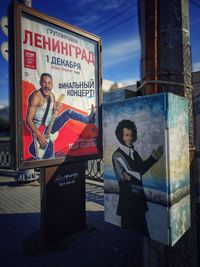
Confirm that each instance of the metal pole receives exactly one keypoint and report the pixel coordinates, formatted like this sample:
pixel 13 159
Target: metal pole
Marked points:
pixel 166 67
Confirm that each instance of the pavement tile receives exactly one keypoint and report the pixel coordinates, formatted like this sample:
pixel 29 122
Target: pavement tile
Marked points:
pixel 101 245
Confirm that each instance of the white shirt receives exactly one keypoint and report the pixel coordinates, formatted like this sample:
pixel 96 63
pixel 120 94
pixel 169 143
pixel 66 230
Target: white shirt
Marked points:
pixel 127 150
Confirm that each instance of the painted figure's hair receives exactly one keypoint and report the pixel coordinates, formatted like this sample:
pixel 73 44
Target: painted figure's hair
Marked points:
pixel 125 124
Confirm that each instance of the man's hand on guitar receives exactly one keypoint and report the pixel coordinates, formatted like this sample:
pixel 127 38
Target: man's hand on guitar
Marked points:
pixel 58 105
pixel 42 141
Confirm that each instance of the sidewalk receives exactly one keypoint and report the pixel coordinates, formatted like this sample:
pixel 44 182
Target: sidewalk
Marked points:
pixel 101 245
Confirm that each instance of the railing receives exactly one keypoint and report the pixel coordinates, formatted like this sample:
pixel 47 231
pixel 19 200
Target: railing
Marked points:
pixel 94 170
pixel 5 157
pixel 7 163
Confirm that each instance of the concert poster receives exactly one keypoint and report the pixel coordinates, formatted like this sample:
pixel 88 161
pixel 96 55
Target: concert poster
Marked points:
pixel 58 93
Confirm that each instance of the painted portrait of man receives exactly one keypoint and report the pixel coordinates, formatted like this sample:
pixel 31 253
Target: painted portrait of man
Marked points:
pixel 129 168
pixel 146 166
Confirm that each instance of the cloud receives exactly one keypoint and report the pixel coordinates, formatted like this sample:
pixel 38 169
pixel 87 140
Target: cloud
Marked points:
pixel 131 80
pixel 196 66
pixel 4 84
pixel 4 103
pixel 100 6
pixel 119 52
pixel 87 20
pixel 88 12
pixel 112 4
pixel 78 5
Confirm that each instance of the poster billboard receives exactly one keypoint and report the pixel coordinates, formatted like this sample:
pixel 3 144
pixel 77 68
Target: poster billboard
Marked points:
pixel 146 166
pixel 57 91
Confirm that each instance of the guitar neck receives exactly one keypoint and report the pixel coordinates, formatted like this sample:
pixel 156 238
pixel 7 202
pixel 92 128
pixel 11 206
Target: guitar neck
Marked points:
pixel 49 128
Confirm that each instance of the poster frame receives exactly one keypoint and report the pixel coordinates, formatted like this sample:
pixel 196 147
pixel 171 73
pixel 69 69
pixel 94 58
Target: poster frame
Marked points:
pixel 16 88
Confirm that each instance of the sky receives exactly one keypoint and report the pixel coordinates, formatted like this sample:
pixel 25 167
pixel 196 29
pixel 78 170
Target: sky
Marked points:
pixel 116 22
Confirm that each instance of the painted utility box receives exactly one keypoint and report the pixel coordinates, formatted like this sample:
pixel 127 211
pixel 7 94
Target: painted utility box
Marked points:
pixel 146 166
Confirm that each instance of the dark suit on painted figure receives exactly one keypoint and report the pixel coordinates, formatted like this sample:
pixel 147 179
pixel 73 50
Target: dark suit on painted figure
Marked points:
pixel 129 168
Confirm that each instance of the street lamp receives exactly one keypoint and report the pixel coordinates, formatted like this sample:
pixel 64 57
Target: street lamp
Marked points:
pixel 4 45
pixel 26 174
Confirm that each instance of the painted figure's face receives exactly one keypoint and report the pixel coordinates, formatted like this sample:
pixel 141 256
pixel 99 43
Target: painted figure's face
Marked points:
pixel 127 137
pixel 46 84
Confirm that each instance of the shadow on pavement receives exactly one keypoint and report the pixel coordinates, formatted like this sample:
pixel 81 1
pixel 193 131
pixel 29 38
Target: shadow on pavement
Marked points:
pixel 101 244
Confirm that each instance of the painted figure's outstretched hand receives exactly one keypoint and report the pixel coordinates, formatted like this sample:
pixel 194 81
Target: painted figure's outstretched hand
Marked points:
pixel 126 176
pixel 157 153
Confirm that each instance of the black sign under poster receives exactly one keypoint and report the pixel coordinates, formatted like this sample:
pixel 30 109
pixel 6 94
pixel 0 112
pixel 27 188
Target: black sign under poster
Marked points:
pixel 63 200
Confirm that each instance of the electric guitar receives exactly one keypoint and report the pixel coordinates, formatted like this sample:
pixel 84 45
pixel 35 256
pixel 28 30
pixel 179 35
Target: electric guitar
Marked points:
pixel 46 151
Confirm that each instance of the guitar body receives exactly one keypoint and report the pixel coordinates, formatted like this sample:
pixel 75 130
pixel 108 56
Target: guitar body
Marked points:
pixel 43 152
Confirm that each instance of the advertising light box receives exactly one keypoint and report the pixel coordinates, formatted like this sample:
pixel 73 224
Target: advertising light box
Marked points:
pixel 57 86
pixel 146 166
